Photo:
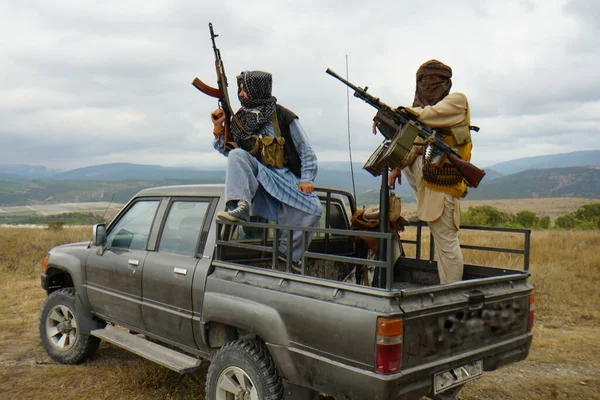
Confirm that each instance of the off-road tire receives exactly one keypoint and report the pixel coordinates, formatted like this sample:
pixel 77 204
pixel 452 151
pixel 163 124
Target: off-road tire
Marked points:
pixel 252 357
pixel 78 345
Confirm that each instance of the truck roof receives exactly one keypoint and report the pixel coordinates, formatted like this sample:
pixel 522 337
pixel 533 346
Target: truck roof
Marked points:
pixel 210 190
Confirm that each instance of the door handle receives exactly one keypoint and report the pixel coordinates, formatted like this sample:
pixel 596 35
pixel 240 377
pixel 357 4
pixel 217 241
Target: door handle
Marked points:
pixel 133 262
pixel 180 271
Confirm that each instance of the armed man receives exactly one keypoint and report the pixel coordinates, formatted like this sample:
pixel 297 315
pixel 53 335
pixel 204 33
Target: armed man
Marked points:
pixel 272 167
pixel 431 142
pixel 438 185
pixel 271 164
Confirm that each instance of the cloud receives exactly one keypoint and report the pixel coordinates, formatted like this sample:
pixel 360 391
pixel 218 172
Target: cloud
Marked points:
pixel 84 83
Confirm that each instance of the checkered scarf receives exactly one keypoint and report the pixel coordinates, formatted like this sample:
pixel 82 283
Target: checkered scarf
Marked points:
pixel 433 83
pixel 258 109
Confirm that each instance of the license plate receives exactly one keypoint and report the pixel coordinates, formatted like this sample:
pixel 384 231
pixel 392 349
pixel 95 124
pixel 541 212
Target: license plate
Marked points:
pixel 457 376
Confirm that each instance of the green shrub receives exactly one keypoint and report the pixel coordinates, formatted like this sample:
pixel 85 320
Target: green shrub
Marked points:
pixel 526 219
pixel 586 217
pixel 485 216
pixel 544 222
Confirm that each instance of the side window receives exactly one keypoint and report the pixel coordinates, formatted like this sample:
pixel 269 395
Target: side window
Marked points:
pixel 133 229
pixel 182 228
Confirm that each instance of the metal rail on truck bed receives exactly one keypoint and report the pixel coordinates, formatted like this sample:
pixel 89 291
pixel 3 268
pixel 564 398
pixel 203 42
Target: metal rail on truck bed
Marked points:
pixel 525 232
pixel 393 270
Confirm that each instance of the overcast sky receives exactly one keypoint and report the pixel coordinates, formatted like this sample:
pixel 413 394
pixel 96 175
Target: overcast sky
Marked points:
pixel 85 83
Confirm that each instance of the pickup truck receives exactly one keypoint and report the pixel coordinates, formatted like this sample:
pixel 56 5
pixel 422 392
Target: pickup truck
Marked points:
pixel 168 281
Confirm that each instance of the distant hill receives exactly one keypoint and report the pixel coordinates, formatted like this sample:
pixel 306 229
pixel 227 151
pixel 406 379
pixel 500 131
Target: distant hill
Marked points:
pixel 126 171
pixel 101 182
pixel 336 175
pixel 24 192
pixel 21 171
pixel 25 184
pixel 557 182
pixel 573 159
pixel 491 174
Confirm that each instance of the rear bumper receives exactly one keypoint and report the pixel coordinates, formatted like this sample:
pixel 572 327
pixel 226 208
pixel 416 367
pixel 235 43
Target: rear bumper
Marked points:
pixel 346 382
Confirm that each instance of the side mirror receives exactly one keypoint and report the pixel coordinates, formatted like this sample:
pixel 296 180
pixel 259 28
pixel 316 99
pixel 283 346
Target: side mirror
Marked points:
pixel 99 235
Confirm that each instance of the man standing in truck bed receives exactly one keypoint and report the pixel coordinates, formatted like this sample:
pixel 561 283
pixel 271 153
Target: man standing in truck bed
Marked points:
pixel 437 184
pixel 275 176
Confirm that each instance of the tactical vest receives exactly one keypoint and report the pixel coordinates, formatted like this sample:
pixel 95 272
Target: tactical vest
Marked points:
pixel 447 179
pixel 284 119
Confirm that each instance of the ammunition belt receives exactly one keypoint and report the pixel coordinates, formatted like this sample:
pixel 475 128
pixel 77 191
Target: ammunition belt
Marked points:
pixel 447 175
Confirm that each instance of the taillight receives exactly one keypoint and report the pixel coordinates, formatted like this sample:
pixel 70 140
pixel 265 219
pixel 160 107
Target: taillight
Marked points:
pixel 389 345
pixel 45 263
pixel 531 311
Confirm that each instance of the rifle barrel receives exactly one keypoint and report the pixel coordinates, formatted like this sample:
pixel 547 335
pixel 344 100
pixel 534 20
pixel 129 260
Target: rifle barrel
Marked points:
pixel 332 73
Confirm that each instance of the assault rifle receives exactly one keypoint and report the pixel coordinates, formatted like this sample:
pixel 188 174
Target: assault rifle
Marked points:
pixel 220 92
pixel 390 120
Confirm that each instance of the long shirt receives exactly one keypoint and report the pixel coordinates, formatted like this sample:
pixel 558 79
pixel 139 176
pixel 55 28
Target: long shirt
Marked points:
pixel 281 184
pixel 450 111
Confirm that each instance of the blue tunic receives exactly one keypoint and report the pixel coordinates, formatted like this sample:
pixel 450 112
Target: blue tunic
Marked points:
pixel 280 184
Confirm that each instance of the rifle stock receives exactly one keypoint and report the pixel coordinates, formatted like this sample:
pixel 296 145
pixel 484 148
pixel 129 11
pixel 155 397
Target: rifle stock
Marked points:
pixel 470 172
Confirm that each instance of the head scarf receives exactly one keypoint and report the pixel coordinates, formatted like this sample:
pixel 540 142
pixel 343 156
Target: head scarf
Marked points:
pixel 433 83
pixel 258 108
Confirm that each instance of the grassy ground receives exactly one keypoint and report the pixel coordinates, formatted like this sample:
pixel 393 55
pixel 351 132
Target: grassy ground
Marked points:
pixel 564 362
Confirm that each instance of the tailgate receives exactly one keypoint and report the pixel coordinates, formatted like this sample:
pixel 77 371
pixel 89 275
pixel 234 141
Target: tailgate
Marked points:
pixel 446 321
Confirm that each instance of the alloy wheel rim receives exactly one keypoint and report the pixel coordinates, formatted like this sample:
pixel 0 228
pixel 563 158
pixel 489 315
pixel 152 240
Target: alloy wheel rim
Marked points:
pixel 235 384
pixel 61 327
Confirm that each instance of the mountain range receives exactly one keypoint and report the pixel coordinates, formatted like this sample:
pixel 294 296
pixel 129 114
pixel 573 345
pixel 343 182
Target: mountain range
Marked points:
pixel 573 159
pixel 575 174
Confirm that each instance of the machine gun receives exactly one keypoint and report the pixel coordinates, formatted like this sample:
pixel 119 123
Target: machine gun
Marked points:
pixel 221 91
pixel 390 122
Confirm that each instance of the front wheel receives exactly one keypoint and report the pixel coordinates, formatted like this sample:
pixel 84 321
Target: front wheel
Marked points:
pixel 243 369
pixel 61 335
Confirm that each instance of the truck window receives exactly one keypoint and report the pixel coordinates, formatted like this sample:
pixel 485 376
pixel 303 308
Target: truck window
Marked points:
pixel 182 228
pixel 337 218
pixel 132 230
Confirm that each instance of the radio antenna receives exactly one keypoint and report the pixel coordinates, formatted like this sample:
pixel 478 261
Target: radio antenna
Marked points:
pixel 349 142
pixel 107 207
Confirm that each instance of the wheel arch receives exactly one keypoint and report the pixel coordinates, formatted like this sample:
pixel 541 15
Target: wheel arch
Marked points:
pixel 245 316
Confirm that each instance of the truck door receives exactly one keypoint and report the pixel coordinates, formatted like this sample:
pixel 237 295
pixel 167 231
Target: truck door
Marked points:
pixel 169 271
pixel 114 275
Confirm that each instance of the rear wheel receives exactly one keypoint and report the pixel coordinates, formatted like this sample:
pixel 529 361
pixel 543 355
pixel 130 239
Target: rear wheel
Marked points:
pixel 243 370
pixel 61 335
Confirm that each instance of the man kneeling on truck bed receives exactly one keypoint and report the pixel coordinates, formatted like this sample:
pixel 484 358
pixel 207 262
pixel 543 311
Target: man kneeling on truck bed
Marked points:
pixel 273 165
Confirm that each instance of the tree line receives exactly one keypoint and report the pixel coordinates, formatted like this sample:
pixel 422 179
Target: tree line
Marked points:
pixel 585 218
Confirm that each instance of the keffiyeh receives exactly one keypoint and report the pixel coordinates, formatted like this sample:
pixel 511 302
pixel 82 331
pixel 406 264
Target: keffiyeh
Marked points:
pixel 258 108
pixel 433 83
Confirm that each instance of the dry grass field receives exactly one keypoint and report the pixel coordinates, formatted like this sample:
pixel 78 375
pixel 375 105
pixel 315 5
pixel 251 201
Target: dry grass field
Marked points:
pixel 564 362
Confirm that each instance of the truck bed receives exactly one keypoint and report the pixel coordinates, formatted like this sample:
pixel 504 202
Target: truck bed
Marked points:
pixel 482 319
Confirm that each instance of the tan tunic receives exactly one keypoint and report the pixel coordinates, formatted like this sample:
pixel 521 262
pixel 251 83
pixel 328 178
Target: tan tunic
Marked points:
pixel 450 111
pixel 440 210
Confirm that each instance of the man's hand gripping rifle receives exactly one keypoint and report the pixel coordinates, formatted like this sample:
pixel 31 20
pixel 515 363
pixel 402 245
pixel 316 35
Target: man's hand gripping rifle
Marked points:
pixel 389 121
pixel 220 92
